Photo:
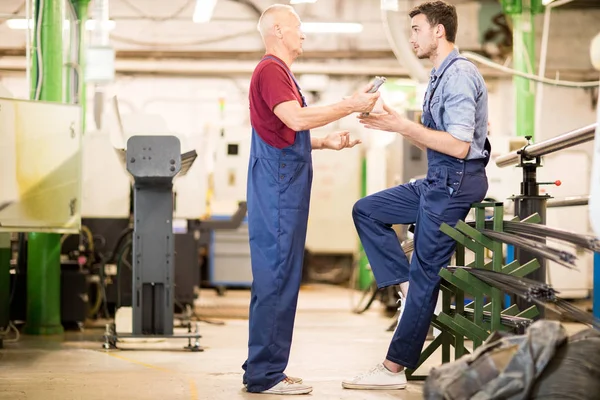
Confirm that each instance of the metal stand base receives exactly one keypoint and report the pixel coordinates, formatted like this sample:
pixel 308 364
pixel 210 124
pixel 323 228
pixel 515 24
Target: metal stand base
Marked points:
pixel 111 338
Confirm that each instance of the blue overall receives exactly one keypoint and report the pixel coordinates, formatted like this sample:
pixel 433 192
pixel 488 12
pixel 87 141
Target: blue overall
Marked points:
pixel 278 197
pixel 444 195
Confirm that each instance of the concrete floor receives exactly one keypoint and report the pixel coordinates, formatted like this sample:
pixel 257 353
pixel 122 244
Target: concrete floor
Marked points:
pixel 330 343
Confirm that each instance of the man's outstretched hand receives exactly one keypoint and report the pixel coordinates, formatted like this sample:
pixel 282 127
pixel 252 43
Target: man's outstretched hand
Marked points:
pixel 388 120
pixel 339 140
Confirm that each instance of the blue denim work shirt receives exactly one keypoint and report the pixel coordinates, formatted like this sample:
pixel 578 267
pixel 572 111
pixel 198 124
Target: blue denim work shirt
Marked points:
pixel 459 104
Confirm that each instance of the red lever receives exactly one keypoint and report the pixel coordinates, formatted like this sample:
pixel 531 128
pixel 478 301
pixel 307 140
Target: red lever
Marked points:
pixel 557 183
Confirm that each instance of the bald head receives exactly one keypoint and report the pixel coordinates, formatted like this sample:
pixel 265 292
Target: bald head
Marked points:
pixel 281 31
pixel 274 16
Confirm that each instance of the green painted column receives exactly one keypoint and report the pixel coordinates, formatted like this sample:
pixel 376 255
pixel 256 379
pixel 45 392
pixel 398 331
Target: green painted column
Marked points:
pixel 43 267
pixel 4 279
pixel 524 61
pixel 522 13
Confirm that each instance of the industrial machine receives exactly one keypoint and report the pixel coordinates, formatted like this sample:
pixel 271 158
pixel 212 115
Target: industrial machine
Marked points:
pixel 40 180
pixel 554 185
pixel 154 162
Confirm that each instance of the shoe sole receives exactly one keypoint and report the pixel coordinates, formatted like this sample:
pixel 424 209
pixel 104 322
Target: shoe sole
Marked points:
pixel 373 387
pixel 288 392
pixel 299 380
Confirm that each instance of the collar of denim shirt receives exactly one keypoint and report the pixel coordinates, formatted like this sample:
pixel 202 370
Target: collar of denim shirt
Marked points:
pixel 451 56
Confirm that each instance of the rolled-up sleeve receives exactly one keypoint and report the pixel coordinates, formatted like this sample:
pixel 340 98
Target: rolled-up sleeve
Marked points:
pixel 459 100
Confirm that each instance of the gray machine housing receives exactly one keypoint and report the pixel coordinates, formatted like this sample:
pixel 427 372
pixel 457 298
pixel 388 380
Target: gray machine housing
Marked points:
pixel 153 161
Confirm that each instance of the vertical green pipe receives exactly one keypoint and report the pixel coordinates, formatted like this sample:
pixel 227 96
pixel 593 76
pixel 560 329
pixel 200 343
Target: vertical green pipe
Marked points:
pixel 524 61
pixel 522 13
pixel 82 7
pixel 364 275
pixel 4 279
pixel 43 267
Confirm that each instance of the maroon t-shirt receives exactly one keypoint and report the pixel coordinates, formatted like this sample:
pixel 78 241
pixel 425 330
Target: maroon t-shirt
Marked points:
pixel 271 85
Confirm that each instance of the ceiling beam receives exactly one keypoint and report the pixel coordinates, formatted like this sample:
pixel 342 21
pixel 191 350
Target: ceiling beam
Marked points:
pixel 226 55
pixel 210 63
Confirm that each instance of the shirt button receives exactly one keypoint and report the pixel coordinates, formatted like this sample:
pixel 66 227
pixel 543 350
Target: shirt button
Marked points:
pixel 282 176
pixel 282 165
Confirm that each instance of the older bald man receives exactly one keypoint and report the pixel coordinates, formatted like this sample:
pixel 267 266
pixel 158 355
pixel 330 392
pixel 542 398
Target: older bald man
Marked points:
pixel 278 195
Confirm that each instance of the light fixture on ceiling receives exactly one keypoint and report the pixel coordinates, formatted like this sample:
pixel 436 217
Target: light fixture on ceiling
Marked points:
pixel 331 27
pixel 546 2
pixel 18 23
pixel 302 1
pixel 389 5
pixel 204 11
pixel 21 24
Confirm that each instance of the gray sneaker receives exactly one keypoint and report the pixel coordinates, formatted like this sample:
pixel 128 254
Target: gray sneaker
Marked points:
pixel 291 378
pixel 288 386
pixel 378 377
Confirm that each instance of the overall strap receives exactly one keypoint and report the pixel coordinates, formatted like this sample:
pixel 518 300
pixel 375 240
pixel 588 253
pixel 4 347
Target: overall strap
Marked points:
pixel 433 89
pixel 286 70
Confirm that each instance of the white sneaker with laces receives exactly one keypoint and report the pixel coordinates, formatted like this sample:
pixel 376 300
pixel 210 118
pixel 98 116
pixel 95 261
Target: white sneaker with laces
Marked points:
pixel 378 377
pixel 288 386
pixel 291 378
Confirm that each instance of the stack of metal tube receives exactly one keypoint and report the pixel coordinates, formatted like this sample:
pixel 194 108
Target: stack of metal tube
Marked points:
pixel 532 237
pixel 533 291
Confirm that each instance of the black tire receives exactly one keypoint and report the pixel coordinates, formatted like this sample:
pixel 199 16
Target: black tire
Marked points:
pixel 573 372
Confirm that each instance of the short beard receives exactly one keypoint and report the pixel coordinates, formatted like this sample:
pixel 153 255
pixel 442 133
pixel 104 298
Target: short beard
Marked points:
pixel 431 53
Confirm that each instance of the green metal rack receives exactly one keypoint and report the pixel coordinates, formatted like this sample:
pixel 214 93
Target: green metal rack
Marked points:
pixel 476 320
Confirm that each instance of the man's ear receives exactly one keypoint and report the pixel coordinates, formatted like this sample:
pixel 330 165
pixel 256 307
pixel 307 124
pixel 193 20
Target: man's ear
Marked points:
pixel 440 31
pixel 278 31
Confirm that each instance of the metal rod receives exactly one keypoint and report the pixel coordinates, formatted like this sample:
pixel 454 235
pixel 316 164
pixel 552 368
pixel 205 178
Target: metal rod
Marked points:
pixel 560 142
pixel 538 232
pixel 569 201
pixel 513 321
pixel 536 249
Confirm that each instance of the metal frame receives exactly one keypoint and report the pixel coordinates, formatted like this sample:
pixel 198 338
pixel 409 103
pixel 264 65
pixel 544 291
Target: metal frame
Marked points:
pixel 485 314
pixel 476 320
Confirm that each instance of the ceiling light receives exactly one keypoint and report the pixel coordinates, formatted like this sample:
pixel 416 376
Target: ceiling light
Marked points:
pixel 389 5
pixel 331 27
pixel 18 23
pixel 302 1
pixel 204 11
pixel 546 2
pixel 21 23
